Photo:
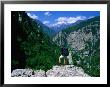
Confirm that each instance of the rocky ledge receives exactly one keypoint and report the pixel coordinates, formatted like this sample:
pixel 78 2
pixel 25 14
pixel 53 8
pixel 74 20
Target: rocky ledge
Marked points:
pixel 56 71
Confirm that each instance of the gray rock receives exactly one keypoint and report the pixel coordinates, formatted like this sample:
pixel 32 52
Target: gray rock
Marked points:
pixel 39 73
pixel 56 71
pixel 66 71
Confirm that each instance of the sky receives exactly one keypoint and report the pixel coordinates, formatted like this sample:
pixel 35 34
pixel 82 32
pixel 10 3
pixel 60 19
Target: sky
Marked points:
pixel 56 18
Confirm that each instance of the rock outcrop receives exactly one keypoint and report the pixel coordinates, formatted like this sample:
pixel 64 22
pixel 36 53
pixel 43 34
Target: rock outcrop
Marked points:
pixel 56 71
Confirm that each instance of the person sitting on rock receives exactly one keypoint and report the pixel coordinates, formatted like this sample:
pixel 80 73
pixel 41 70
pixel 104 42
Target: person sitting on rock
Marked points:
pixel 64 54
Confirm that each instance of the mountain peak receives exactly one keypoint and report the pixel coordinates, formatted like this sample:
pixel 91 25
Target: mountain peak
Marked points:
pixel 64 26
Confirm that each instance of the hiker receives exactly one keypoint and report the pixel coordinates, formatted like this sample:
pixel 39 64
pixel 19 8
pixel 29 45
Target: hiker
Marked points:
pixel 64 54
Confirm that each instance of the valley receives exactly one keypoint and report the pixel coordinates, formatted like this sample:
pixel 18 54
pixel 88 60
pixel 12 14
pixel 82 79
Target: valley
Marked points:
pixel 35 46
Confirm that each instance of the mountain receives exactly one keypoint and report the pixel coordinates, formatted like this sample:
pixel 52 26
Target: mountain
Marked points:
pixel 46 29
pixel 83 41
pixel 58 28
pixel 31 47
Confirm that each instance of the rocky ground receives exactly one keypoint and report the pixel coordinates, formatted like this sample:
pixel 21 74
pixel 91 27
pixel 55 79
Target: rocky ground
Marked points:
pixel 56 71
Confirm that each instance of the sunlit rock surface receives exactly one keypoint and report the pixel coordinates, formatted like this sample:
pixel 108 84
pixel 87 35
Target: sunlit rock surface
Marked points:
pixel 56 71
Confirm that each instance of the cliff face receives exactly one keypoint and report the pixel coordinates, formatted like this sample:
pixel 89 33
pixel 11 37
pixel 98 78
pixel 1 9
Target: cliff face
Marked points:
pixel 83 40
pixel 79 39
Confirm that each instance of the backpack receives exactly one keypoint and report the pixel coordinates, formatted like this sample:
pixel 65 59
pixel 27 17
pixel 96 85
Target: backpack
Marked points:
pixel 65 51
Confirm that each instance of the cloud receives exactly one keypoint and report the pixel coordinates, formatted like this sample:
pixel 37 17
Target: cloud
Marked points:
pixel 67 20
pixel 33 16
pixel 46 22
pixel 47 13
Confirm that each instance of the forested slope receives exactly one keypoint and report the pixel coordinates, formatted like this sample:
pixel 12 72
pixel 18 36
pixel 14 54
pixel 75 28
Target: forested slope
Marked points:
pixel 31 47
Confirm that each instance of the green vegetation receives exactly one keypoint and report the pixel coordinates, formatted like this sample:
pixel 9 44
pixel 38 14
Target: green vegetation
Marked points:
pixel 82 24
pixel 90 63
pixel 89 57
pixel 31 47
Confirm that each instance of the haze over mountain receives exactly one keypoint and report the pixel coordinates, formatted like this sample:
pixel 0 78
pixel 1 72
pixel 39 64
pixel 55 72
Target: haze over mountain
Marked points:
pixel 46 29
pixel 64 26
